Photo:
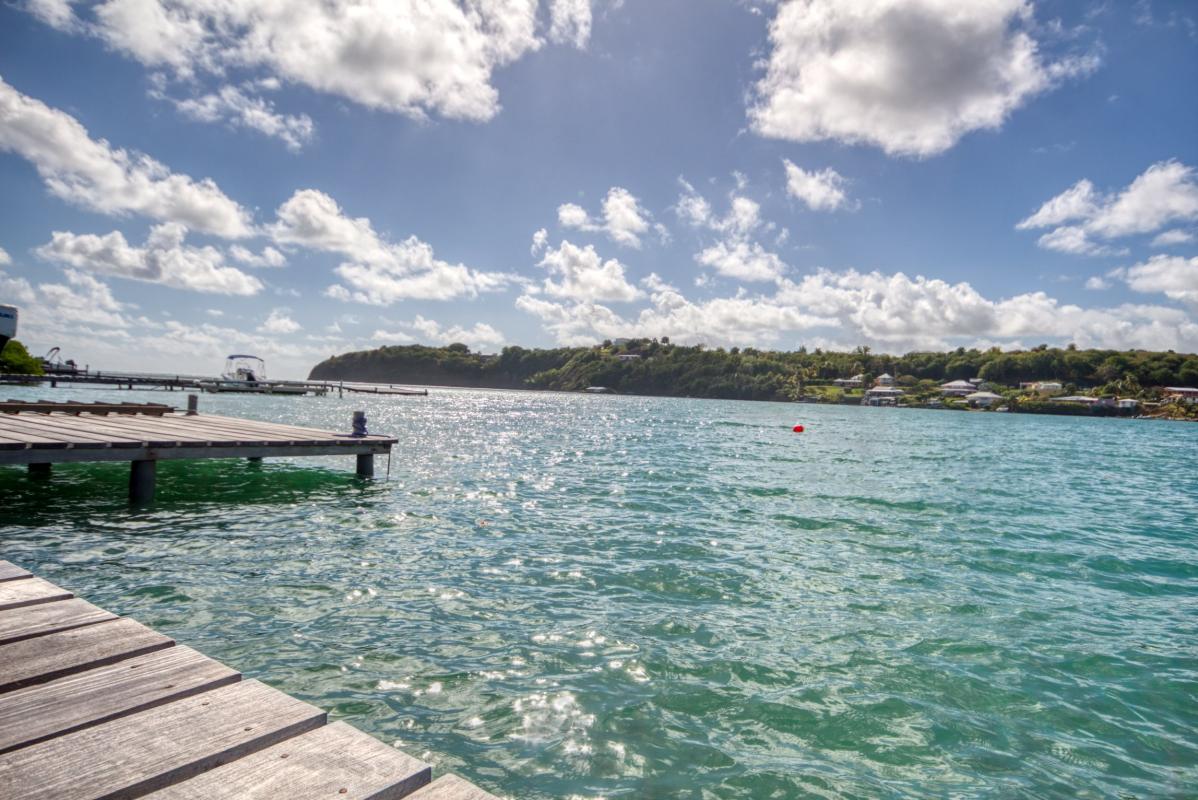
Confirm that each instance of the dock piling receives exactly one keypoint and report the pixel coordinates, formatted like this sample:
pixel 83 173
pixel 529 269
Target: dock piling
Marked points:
pixel 365 465
pixel 142 478
pixel 193 404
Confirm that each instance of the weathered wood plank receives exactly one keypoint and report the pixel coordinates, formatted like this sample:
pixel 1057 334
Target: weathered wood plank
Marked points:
pixel 58 707
pixel 30 439
pixel 187 429
pixel 73 407
pixel 29 621
pixel 451 787
pixel 160 435
pixel 39 434
pixel 334 761
pixel 76 429
pixel 11 572
pixel 101 426
pixel 137 754
pixel 45 658
pixel 28 592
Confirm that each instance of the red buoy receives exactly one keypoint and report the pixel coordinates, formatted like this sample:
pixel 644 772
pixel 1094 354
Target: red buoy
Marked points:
pixel 798 429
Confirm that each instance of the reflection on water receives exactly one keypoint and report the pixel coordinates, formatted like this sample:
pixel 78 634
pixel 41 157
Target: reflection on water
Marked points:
pixel 560 595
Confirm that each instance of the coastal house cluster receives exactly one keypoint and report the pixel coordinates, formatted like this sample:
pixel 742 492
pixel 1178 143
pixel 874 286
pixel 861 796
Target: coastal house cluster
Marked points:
pixel 978 393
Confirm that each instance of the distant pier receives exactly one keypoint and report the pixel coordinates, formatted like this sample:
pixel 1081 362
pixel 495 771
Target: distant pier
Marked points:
pixel 44 433
pixel 94 705
pixel 171 383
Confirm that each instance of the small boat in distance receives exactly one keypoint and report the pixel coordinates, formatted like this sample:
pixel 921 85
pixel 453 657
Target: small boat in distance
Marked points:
pixel 247 374
pixel 244 368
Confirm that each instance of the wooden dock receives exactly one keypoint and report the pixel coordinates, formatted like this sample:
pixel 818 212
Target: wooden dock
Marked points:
pixel 44 433
pixel 93 705
pixel 171 383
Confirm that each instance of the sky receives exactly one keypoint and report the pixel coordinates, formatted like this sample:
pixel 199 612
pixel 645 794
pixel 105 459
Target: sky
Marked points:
pixel 184 180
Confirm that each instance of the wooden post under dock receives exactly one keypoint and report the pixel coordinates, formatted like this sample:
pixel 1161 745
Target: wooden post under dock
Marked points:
pixel 93 705
pixel 43 433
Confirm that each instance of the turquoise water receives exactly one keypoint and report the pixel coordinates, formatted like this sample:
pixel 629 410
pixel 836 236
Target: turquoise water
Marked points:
pixel 576 596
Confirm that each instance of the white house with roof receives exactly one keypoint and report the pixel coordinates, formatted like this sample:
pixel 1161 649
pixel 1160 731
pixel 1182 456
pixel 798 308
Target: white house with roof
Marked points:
pixel 957 388
pixel 983 399
pixel 855 382
pixel 1186 394
pixel 1128 403
pixel 885 379
pixel 882 396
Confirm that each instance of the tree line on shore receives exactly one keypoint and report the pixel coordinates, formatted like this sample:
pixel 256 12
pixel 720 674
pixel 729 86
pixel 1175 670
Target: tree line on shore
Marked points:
pixel 15 360
pixel 666 369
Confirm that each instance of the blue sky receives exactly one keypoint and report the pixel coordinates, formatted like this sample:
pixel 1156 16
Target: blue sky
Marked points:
pixel 184 180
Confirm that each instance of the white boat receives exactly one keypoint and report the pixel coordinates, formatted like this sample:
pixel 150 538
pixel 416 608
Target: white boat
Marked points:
pixel 250 369
pixel 8 324
pixel 247 374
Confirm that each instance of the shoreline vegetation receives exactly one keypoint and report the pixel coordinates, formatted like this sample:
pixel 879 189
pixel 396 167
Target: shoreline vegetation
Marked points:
pixel 1026 381
pixel 16 360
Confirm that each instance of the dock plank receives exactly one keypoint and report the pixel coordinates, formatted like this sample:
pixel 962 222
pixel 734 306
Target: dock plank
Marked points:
pixel 58 707
pixel 27 622
pixel 451 787
pixel 160 434
pixel 11 572
pixel 196 428
pixel 45 658
pixel 39 433
pixel 140 753
pixel 30 591
pixel 77 428
pixel 98 425
pixel 337 760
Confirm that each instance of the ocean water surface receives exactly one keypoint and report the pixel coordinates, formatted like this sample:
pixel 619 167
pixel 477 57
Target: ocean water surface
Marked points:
pixel 598 597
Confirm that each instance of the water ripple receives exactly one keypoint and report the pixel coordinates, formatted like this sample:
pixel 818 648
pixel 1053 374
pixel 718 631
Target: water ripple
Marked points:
pixel 574 596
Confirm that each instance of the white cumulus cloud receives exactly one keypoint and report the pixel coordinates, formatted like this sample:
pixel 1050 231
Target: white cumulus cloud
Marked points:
pixel 268 258
pixel 163 259
pixel 409 56
pixel 893 313
pixel 231 105
pixel 1173 276
pixel 742 260
pixel 735 254
pixel 94 174
pixel 479 336
pixel 1164 194
pixel 581 274
pixel 911 76
pixel 624 219
pixel 570 21
pixel 1173 237
pixel 378 271
pixel 279 322
pixel 821 191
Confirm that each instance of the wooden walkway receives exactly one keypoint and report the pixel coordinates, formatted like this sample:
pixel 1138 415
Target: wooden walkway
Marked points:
pixel 40 434
pixel 93 706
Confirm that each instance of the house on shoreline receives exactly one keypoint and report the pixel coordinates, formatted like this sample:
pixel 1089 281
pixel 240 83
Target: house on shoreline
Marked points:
pixel 957 388
pixel 882 396
pixel 1184 394
pixel 983 399
pixel 855 382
